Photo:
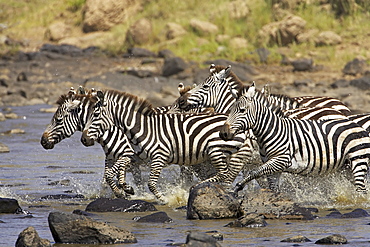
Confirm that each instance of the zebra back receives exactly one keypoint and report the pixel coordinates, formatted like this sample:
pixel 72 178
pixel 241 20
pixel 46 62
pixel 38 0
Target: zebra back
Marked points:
pixel 214 92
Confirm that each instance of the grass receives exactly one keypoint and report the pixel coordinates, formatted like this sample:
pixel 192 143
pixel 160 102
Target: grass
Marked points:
pixel 29 19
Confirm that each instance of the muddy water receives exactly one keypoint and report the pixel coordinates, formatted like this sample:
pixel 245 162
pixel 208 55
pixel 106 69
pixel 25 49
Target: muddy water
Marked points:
pixel 29 172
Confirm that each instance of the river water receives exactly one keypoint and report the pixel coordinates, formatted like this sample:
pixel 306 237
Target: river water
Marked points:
pixel 28 172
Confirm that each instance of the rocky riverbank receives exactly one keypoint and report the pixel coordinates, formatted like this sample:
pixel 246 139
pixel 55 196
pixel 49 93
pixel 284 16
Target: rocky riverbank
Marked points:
pixel 28 78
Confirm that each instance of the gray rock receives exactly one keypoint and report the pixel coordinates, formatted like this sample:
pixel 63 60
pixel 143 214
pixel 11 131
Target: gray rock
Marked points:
pixel 296 239
pixel 140 32
pixel 9 206
pixel 357 213
pixel 4 148
pixel 275 206
pixel 303 64
pixel 362 83
pixel 203 27
pixel 158 217
pixel 173 65
pixel 332 239
pixel 211 201
pixel 78 229
pixel 327 38
pixel 30 238
pixel 119 205
pixel 198 239
pixel 354 67
pixel 249 220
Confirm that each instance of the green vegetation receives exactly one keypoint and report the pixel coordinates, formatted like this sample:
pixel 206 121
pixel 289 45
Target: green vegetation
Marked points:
pixel 26 19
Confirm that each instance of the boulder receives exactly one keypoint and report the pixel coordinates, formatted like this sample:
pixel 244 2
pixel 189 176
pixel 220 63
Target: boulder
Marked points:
pixel 249 220
pixel 296 239
pixel 174 30
pixel 355 67
pixel 139 52
pixel 78 229
pixel 327 38
pixel 203 27
pixel 303 64
pixel 9 206
pixel 4 148
pixel 332 239
pixel 274 206
pixel 173 65
pixel 57 31
pixel 199 239
pixel 238 9
pixel 158 217
pixel 139 33
pixel 211 201
pixel 356 213
pixel 238 43
pixel 119 205
pixel 30 238
pixel 101 15
pixel 362 83
pixel 283 32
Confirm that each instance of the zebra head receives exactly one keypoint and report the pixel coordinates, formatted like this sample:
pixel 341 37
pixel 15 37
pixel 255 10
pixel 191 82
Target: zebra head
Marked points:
pixel 66 119
pixel 209 93
pixel 98 120
pixel 242 114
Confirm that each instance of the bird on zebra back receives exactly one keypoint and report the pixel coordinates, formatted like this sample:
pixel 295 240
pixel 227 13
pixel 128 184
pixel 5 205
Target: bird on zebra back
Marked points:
pixel 169 138
pixel 305 147
pixel 70 117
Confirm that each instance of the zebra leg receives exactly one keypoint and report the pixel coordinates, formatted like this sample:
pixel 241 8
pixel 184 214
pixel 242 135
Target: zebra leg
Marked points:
pixel 155 170
pixel 274 165
pixel 121 164
pixel 218 160
pixel 109 177
pixel 237 162
pixel 359 171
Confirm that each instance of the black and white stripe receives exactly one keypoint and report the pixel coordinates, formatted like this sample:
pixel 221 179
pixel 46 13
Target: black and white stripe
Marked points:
pixel 71 116
pixel 164 139
pixel 305 147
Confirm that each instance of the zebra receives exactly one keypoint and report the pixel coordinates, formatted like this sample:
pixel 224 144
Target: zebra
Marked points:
pixel 305 147
pixel 71 117
pixel 214 92
pixel 163 139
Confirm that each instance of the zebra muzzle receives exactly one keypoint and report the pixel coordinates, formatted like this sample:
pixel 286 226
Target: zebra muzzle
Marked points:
pixel 86 140
pixel 45 142
pixel 226 133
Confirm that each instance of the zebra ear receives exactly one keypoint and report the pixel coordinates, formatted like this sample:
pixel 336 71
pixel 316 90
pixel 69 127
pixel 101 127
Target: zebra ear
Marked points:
pixel 180 88
pixel 72 91
pixel 100 96
pixel 81 90
pixel 212 68
pixel 251 91
pixel 227 71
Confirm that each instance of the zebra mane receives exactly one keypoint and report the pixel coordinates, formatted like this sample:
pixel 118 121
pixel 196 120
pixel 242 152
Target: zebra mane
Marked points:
pixel 143 106
pixel 233 78
pixel 64 98
pixel 273 106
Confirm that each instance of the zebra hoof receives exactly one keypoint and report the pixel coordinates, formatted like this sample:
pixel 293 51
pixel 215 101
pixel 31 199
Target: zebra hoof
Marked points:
pixel 129 190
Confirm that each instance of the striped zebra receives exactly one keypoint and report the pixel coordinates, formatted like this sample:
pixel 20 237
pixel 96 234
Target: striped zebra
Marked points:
pixel 164 139
pixel 305 147
pixel 71 116
pixel 214 92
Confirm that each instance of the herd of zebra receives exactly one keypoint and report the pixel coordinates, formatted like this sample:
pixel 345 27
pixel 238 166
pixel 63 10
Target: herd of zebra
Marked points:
pixel 215 125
